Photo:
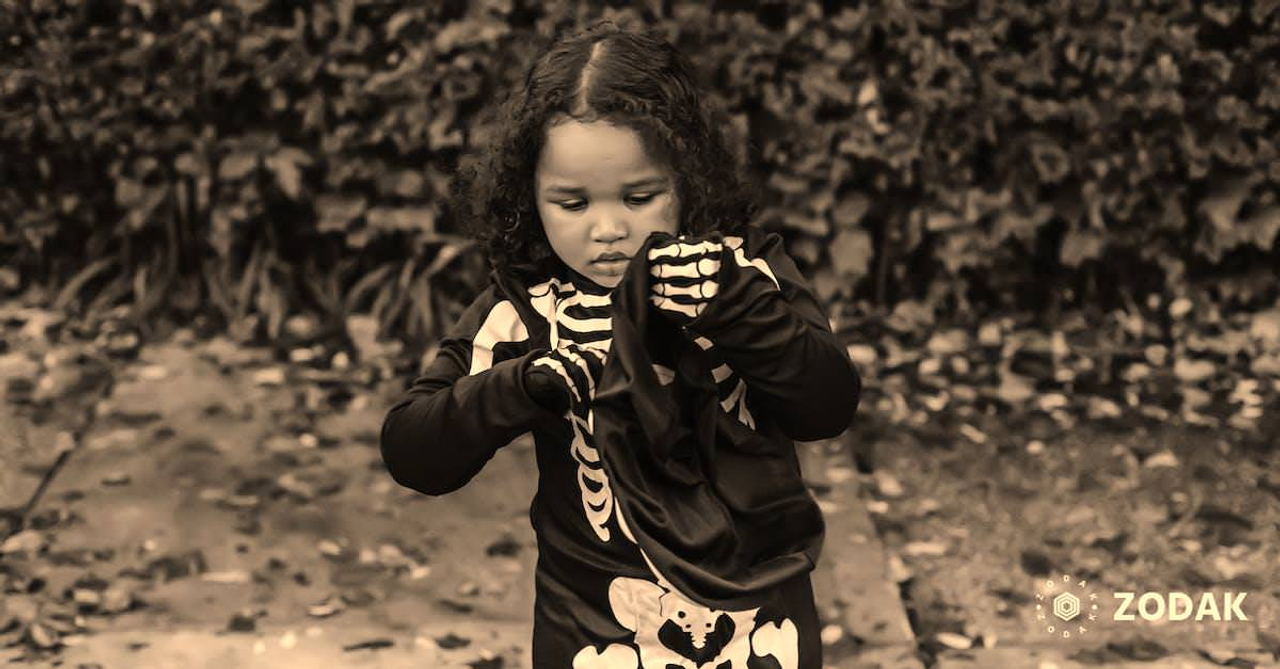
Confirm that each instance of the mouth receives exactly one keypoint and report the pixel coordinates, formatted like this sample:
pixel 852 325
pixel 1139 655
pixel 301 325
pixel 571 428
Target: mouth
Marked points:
pixel 610 258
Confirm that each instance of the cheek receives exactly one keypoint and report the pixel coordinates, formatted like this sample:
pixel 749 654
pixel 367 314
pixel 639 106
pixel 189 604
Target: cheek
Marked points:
pixel 550 222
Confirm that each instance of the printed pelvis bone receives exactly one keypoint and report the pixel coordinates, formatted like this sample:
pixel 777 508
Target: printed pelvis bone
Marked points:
pixel 696 621
pixel 644 607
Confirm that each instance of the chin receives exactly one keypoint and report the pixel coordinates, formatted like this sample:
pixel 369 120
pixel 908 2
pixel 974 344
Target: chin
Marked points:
pixel 607 280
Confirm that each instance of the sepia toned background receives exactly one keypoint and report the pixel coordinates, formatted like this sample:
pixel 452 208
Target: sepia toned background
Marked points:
pixel 1047 232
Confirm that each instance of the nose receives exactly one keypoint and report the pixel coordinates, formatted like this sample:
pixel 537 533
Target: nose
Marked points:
pixel 608 227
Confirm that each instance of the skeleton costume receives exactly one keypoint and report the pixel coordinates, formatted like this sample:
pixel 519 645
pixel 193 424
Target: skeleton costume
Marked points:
pixel 673 527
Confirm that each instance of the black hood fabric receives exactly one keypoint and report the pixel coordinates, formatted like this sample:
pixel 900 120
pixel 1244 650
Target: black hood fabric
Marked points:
pixel 716 507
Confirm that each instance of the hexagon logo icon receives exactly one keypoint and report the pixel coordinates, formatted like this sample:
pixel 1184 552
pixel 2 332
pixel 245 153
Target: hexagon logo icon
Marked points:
pixel 1066 606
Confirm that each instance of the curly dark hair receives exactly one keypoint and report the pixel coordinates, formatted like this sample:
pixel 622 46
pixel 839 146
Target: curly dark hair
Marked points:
pixel 630 79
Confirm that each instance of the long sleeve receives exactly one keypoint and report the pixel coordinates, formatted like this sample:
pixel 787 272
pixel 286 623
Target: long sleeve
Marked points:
pixel 470 401
pixel 768 327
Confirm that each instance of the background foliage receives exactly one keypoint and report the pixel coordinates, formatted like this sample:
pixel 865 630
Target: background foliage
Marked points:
pixel 937 156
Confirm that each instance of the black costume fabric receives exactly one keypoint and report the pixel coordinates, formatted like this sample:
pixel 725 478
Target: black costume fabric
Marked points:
pixel 693 482
pixel 677 530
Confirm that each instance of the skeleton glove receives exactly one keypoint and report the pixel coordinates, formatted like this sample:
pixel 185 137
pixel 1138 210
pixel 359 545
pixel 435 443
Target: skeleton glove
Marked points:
pixel 683 276
pixel 565 376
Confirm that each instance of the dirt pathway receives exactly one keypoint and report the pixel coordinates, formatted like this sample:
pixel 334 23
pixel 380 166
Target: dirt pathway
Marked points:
pixel 212 506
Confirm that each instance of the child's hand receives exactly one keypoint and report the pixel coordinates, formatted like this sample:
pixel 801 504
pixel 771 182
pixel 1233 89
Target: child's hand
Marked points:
pixel 575 368
pixel 684 277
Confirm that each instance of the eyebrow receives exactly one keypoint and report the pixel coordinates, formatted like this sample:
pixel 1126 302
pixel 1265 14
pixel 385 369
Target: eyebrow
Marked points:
pixel 575 190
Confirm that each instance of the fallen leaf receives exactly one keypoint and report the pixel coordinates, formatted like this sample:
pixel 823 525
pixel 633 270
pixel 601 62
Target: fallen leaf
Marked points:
pixel 329 548
pixel 452 641
pixel 925 548
pixel 23 609
pixel 955 641
pixel 26 541
pixel 86 597
pixel 153 372
pixel 116 479
pixel 391 556
pixel 1180 307
pixel 269 376
pixel 1014 389
pixel 506 546
pixel 1161 459
pixel 371 644
pixel 1193 371
pixel 486 661
pixel 299 489
pixel 888 485
pixel 839 475
pixel 881 507
pixel 863 355
pixel 1052 402
pixel 327 607
pixel 1101 407
pixel 1229 568
pixel 973 434
pixel 227 577
pixel 242 622
pixel 898 571
pixel 357 597
pixel 42 637
pixel 1265 327
pixel 1035 563
pixel 1136 372
pixel 990 334
pixel 950 342
pixel 116 599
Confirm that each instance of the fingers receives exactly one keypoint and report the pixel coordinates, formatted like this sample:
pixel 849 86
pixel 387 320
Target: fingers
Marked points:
pixel 678 260
pixel 702 268
pixel 685 277
pixel 579 366
pixel 680 250
pixel 688 311
pixel 701 291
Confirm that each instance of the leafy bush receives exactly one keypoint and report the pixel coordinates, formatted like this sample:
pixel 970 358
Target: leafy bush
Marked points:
pixel 270 158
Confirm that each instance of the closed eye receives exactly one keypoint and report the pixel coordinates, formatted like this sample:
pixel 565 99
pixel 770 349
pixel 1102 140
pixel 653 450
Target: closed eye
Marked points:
pixel 634 200
pixel 641 199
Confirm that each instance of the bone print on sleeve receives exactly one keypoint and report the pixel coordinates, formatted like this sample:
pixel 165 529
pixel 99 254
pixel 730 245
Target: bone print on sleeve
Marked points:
pixel 767 326
pixel 471 400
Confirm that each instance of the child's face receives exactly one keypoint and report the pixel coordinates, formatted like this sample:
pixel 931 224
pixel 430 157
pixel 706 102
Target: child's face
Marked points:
pixel 600 195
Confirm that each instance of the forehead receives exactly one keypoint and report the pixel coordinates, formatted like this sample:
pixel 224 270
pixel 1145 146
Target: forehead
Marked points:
pixel 594 153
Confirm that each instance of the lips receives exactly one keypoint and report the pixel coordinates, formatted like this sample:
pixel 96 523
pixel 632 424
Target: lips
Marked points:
pixel 610 257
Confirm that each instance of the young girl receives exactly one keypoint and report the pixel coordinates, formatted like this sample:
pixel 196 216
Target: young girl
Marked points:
pixel 663 353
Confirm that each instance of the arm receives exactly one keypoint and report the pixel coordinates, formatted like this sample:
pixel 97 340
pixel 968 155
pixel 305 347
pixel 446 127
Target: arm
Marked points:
pixel 766 324
pixel 474 398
